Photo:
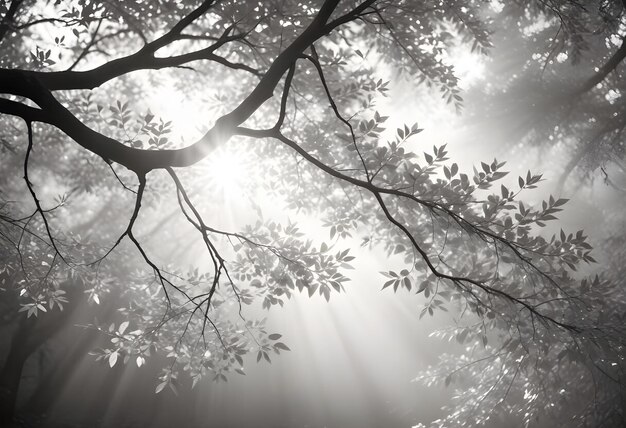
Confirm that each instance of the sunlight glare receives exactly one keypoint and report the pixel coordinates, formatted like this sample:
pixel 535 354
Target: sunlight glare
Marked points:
pixel 226 171
pixel 469 67
pixel 187 114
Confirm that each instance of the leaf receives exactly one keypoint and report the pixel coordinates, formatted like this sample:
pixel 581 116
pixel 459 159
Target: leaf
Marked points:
pixel 113 359
pixel 388 283
pixel 422 286
pixel 123 327
pixel 407 282
pixel 282 346
pixel 462 336
pixel 275 336
pixel 504 191
pixel 195 381
pixel 160 387
pixel 325 290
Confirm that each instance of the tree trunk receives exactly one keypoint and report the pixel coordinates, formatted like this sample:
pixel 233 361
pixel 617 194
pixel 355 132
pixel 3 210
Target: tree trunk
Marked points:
pixel 60 370
pixel 57 376
pixel 30 334
pixel 44 397
pixel 12 371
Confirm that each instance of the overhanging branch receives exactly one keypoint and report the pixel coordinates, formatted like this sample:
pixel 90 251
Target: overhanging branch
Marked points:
pixel 378 194
pixel 28 84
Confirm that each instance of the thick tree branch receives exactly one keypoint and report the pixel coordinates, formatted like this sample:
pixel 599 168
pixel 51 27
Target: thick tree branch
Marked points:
pixel 28 85
pixel 144 59
pixel 606 69
pixel 29 114
pixel 9 17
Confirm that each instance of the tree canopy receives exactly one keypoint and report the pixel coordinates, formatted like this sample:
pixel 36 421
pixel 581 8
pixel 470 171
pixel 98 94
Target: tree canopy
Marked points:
pixel 106 202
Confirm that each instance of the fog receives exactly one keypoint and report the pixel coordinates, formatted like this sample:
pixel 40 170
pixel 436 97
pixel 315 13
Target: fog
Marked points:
pixel 354 359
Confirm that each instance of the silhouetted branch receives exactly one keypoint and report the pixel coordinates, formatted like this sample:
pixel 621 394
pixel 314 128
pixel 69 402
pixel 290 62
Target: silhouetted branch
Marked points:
pixel 131 223
pixel 91 43
pixel 29 184
pixel 378 193
pixel 315 61
pixel 8 18
pixel 37 86
pixel 609 66
pixel 218 262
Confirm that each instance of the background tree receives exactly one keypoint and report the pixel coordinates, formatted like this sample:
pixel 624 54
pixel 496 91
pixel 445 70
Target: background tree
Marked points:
pixel 556 84
pixel 77 79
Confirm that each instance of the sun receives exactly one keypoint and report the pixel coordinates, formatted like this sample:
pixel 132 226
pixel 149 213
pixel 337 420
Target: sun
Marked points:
pixel 226 171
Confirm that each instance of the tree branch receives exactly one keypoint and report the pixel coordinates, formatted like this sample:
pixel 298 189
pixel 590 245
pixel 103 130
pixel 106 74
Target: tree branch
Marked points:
pixel 8 18
pixel 29 184
pixel 315 61
pixel 378 192
pixel 28 84
pixel 605 70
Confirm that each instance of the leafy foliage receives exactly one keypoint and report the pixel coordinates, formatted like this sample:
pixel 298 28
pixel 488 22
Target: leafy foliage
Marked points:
pixel 469 243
